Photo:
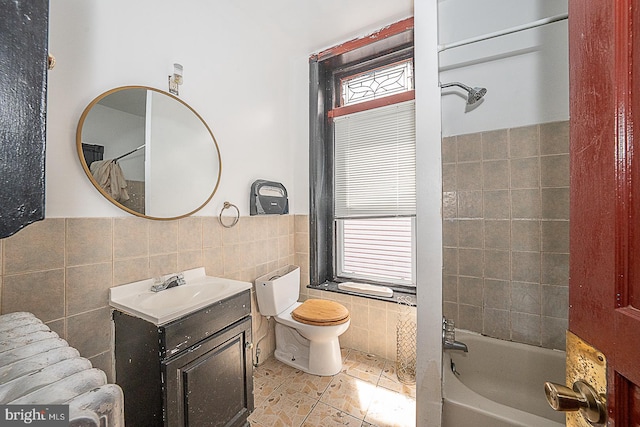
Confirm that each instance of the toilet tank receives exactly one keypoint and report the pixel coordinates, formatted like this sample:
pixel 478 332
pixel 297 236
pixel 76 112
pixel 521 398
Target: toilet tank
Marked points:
pixel 278 290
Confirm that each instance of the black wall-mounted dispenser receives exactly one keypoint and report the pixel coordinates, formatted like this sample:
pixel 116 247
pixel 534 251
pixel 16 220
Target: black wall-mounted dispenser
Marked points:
pixel 268 198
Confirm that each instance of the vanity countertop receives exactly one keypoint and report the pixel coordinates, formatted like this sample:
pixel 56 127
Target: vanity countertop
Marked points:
pixel 165 306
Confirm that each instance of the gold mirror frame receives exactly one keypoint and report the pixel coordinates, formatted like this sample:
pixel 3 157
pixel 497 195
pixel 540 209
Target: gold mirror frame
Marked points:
pixel 105 193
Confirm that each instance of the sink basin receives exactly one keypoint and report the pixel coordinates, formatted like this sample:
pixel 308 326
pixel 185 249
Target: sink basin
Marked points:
pixel 181 295
pixel 165 306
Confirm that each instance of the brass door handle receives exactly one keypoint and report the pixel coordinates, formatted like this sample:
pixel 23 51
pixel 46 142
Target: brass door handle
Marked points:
pixel 581 398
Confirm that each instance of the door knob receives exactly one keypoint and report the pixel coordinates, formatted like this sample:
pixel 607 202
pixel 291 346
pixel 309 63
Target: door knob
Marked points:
pixel 581 398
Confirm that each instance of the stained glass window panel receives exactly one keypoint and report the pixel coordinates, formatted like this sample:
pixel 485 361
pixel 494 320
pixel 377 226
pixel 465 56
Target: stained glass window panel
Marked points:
pixel 377 83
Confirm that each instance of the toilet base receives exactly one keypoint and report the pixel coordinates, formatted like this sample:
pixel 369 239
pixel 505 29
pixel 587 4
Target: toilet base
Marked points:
pixel 317 358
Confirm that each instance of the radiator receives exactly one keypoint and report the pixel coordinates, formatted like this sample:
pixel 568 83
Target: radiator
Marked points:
pixel 37 367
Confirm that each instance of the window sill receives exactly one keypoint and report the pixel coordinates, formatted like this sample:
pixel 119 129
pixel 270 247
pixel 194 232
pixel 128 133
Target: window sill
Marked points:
pixel 333 287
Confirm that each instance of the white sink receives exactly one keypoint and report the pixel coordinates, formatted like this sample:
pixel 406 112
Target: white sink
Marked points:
pixel 165 306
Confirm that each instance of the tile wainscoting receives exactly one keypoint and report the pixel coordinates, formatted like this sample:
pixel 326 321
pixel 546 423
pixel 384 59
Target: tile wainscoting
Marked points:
pixel 61 269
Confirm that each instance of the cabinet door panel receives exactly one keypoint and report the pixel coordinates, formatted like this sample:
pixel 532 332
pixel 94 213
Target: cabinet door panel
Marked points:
pixel 211 384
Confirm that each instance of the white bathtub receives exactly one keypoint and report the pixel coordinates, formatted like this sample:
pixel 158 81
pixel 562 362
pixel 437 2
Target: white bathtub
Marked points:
pixel 500 384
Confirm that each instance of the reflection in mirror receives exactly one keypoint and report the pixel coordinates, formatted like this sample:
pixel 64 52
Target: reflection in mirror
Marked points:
pixel 148 152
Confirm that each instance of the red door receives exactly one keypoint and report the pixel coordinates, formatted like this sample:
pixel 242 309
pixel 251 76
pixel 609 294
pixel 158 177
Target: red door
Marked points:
pixel 604 296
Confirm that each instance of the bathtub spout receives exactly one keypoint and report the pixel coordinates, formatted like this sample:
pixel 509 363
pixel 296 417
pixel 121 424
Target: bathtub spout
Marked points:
pixel 456 345
pixel 449 337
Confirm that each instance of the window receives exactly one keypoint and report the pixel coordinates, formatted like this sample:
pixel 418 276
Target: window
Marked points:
pixel 377 83
pixel 374 193
pixel 380 249
pixel 362 161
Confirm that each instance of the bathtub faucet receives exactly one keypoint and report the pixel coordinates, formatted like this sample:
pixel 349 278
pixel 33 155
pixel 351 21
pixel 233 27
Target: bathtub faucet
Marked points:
pixel 449 337
pixel 455 345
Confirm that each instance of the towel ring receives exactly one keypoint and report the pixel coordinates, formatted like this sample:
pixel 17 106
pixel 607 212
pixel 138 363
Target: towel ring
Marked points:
pixel 228 205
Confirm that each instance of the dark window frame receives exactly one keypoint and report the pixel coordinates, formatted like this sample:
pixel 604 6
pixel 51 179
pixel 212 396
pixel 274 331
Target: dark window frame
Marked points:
pixel 390 45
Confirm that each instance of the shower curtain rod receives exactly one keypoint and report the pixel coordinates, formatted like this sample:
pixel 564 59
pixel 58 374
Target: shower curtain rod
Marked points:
pixel 126 154
pixel 511 30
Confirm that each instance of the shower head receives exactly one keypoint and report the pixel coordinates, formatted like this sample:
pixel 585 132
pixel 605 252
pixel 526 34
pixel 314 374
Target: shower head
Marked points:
pixel 475 94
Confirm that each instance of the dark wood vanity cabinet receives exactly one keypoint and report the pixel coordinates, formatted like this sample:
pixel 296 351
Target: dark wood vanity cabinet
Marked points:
pixel 195 371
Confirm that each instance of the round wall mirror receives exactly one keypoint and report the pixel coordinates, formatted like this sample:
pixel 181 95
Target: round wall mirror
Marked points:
pixel 148 152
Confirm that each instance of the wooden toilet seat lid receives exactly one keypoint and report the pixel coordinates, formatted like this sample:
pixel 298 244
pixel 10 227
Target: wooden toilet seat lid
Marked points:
pixel 321 312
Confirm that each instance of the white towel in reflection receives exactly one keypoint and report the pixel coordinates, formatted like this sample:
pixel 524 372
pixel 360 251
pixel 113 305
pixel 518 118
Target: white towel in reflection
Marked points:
pixel 109 176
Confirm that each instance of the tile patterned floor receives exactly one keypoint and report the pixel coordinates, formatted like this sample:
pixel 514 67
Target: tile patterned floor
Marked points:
pixel 365 393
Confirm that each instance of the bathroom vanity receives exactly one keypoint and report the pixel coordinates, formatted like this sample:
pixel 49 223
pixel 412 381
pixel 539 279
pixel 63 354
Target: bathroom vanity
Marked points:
pixel 191 370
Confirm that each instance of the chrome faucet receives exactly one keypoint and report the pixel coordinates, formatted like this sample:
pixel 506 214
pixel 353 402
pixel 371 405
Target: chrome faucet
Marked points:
pixel 449 337
pixel 171 282
pixel 456 345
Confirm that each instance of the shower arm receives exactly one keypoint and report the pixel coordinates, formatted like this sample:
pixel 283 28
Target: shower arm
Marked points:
pixel 463 86
pixel 474 95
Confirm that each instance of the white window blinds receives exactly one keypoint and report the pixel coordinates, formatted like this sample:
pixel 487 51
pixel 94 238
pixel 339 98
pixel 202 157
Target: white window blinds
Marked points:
pixel 379 249
pixel 375 163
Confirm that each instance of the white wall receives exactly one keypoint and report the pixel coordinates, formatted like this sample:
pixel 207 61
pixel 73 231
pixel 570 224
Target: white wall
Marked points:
pixel 235 75
pixel 245 72
pixel 526 74
pixel 429 220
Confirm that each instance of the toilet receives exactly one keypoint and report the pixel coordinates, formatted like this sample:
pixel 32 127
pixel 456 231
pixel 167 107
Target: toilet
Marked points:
pixel 306 333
